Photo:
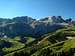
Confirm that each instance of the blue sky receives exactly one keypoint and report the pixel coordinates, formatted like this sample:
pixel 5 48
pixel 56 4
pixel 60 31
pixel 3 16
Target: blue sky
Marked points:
pixel 37 8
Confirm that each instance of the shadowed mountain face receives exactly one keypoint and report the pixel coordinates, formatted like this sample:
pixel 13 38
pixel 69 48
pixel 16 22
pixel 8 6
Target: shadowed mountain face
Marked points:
pixel 20 26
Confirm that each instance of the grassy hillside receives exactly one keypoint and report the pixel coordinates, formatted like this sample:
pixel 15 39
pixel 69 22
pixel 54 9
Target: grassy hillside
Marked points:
pixel 66 48
pixel 9 45
pixel 51 44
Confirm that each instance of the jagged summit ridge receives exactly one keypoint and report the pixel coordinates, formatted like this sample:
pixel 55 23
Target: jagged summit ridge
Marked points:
pixel 53 19
pixel 28 26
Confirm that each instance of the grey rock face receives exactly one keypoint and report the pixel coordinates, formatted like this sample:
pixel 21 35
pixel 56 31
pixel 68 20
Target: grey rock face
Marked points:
pixel 24 26
pixel 24 19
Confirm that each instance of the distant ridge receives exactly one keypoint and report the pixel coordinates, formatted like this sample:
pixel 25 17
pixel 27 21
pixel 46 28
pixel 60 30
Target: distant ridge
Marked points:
pixel 25 25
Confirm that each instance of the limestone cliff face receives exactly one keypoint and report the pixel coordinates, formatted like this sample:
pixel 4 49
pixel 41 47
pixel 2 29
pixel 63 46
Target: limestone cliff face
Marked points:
pixel 28 26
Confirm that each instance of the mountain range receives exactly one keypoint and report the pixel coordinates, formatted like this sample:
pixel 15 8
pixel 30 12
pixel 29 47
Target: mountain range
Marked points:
pixel 25 36
pixel 27 26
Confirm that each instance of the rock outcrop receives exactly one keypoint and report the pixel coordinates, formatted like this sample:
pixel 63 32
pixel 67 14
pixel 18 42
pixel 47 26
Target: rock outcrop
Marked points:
pixel 25 26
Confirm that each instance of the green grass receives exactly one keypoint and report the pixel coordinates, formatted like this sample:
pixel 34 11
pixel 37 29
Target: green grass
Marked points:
pixel 15 44
pixel 51 44
pixel 57 49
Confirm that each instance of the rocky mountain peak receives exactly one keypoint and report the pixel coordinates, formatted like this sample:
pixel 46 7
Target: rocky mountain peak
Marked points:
pixel 53 19
pixel 25 25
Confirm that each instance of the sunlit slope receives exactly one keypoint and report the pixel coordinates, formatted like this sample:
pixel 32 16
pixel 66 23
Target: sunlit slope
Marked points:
pixel 54 43
pixel 66 48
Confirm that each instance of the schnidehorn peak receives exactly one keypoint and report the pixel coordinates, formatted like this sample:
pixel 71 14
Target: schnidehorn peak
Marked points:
pixel 48 36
